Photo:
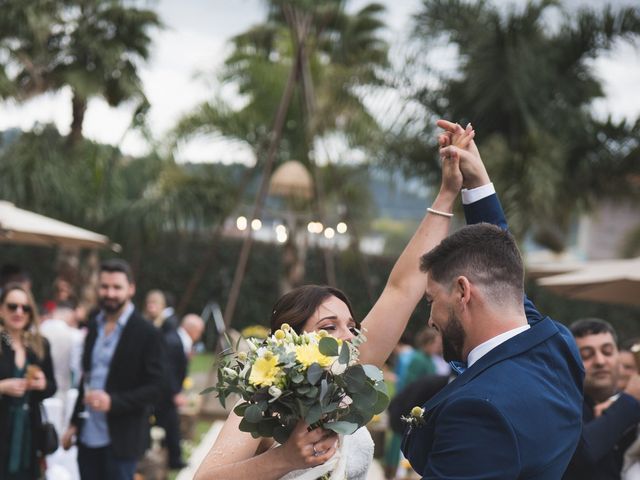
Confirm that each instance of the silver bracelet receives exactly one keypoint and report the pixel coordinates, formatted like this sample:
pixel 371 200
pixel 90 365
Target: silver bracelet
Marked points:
pixel 438 212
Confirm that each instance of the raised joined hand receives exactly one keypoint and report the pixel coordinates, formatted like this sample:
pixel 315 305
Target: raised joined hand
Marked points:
pixel 456 143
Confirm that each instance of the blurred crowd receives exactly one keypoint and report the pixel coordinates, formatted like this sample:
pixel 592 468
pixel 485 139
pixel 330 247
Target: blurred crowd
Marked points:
pixel 56 366
pixel 609 447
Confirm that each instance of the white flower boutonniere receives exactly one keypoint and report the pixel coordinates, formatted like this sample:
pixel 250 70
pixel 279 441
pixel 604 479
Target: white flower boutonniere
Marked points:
pixel 415 418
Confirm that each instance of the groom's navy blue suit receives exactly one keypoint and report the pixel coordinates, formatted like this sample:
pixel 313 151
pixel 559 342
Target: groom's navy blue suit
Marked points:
pixel 514 414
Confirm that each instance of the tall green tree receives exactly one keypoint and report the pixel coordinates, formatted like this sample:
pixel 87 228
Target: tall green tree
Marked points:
pixel 94 47
pixel 133 200
pixel 325 55
pixel 525 81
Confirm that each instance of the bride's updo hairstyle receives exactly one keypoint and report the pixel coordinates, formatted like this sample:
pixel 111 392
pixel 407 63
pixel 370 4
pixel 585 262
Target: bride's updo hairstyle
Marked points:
pixel 299 305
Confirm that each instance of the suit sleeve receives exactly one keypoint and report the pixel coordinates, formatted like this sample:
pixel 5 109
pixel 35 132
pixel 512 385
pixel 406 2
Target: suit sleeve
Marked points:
pixel 472 440
pixel 150 386
pixel 176 363
pixel 600 435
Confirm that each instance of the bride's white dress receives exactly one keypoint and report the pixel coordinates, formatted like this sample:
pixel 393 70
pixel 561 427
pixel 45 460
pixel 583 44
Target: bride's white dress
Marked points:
pixel 351 461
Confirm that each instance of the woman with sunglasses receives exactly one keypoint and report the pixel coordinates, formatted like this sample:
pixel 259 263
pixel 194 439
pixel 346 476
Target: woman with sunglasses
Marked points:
pixel 26 378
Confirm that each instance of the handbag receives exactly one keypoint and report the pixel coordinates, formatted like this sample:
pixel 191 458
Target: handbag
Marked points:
pixel 48 437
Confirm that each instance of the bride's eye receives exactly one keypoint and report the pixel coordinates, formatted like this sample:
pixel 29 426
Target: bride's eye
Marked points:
pixel 328 327
pixel 353 329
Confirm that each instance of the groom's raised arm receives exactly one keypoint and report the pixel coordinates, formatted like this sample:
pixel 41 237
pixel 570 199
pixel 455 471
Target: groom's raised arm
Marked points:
pixel 479 199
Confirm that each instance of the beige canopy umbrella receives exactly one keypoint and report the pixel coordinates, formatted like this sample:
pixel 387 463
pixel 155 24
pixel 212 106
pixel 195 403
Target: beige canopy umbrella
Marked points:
pixel 25 227
pixel 609 281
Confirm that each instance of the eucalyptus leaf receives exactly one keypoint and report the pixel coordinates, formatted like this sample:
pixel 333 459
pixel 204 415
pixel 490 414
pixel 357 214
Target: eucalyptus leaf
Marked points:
pixel 381 403
pixel 247 426
pixel 281 434
pixel 355 376
pixel 328 346
pixel 382 388
pixel 253 414
pixel 314 373
pixel 345 428
pixel 345 354
pixel 324 388
pixel 365 397
pixel 241 408
pixel 373 372
pixel 314 414
pixel 267 427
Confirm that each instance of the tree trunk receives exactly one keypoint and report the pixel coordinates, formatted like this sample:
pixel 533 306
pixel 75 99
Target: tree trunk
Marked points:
pixel 78 109
pixel 276 135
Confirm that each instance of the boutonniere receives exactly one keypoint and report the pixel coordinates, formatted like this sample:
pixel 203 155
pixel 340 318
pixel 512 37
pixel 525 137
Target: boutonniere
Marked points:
pixel 415 419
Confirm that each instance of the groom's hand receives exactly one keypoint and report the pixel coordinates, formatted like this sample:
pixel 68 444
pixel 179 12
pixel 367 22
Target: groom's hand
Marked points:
pixel 456 142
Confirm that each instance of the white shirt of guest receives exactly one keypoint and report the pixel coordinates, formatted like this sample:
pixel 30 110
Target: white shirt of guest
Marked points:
pixel 485 347
pixel 187 343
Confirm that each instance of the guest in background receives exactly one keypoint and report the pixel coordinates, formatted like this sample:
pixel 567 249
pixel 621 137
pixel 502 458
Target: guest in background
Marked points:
pixel 66 348
pixel 62 294
pixel 610 416
pixel 12 273
pixel 122 378
pixel 627 362
pixel 159 312
pixel 26 378
pixel 154 305
pixel 179 345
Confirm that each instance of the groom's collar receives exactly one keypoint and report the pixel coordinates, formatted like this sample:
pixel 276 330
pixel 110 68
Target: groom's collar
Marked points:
pixel 538 333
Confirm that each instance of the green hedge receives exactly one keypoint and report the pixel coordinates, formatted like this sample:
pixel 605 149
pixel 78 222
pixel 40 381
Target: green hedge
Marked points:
pixel 167 263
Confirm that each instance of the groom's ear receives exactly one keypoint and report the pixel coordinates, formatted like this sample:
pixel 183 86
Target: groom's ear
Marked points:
pixel 462 290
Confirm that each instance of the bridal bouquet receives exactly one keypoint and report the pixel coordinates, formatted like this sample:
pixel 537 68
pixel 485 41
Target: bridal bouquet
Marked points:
pixel 310 376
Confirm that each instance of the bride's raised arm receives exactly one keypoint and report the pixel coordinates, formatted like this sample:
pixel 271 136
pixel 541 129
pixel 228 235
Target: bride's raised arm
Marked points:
pixel 406 284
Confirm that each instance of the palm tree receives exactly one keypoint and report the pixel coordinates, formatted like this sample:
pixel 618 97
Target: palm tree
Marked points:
pixel 527 87
pixel 329 53
pixel 92 46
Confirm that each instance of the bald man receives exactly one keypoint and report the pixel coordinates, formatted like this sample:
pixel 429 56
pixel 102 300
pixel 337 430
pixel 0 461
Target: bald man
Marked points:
pixel 179 344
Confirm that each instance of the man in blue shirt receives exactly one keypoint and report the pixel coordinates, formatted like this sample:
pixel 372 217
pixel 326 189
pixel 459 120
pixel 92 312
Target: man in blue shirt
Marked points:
pixel 122 377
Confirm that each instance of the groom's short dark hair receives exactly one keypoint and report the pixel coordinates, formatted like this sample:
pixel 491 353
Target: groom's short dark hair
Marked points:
pixel 486 254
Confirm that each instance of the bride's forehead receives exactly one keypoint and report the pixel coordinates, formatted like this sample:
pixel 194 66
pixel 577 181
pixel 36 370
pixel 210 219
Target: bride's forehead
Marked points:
pixel 334 306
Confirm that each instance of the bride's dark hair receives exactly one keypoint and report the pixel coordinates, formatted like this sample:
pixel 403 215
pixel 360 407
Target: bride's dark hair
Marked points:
pixel 298 305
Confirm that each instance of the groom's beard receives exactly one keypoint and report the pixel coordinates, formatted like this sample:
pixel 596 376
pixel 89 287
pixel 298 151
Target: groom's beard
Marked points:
pixel 453 337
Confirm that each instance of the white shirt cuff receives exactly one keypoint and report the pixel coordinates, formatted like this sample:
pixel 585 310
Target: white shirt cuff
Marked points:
pixel 474 194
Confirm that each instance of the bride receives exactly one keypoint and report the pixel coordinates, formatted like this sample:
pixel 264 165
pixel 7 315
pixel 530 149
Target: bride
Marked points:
pixel 237 455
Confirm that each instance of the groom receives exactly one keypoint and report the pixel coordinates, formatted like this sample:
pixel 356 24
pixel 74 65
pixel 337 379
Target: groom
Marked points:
pixel 515 410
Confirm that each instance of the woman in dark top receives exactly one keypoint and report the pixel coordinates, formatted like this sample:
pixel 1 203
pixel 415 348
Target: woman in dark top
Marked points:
pixel 26 378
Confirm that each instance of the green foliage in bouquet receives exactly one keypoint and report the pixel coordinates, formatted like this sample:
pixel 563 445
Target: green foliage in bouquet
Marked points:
pixel 310 376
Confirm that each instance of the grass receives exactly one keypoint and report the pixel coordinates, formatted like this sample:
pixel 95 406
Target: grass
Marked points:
pixel 201 363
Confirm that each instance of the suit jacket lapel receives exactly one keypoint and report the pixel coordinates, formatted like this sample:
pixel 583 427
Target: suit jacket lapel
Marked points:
pixel 122 349
pixel 538 333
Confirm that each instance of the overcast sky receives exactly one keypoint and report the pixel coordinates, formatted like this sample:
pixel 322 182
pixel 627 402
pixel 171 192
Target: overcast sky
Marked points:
pixel 195 41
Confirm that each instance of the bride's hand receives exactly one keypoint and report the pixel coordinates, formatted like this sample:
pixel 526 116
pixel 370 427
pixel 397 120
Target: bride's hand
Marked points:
pixel 306 448
pixel 456 141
